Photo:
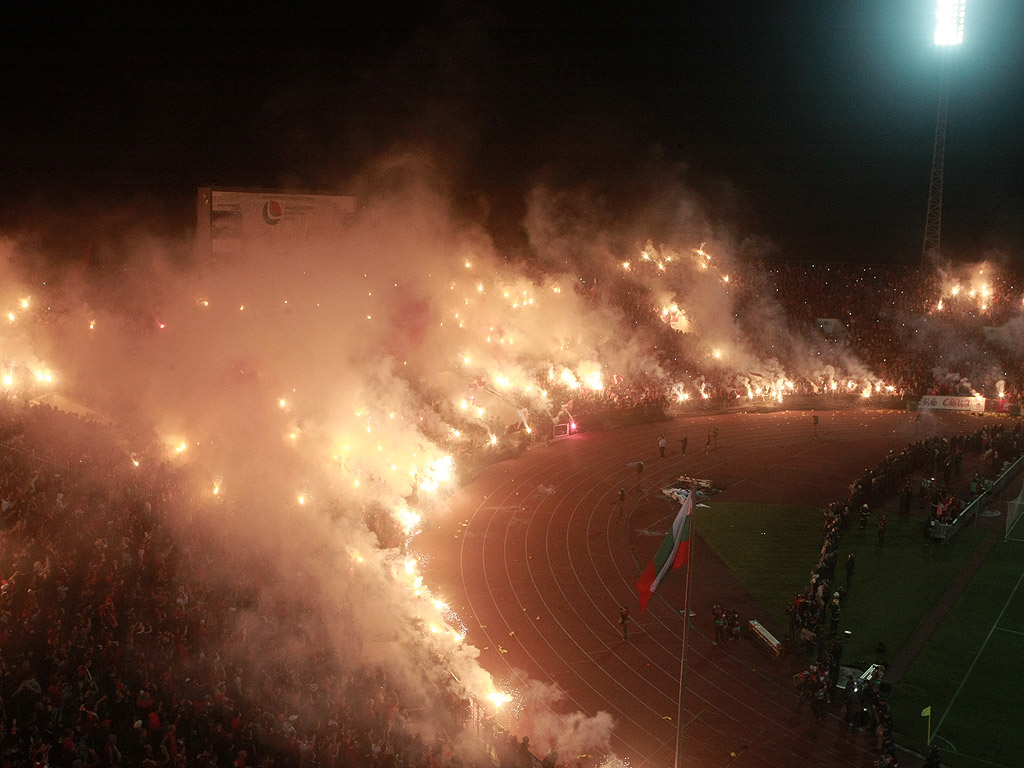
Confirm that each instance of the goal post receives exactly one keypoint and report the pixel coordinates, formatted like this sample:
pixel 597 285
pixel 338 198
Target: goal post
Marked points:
pixel 1014 512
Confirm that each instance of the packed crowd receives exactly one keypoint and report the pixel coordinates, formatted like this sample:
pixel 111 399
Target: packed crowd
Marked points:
pixel 918 331
pixel 617 394
pixel 887 334
pixel 904 323
pixel 116 648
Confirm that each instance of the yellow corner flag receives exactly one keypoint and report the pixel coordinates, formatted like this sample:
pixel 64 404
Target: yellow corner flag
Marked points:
pixel 926 712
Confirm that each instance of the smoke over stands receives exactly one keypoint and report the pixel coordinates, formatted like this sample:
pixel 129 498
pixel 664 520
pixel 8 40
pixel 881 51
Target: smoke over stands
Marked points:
pixel 321 394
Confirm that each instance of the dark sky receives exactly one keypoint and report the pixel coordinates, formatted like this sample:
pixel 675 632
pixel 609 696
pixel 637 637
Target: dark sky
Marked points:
pixel 807 123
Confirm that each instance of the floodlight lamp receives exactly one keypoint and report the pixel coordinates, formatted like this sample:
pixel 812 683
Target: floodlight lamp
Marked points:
pixel 949 22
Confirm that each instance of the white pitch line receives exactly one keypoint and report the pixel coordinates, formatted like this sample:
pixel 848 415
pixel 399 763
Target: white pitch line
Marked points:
pixel 978 655
pixel 1011 631
pixel 953 750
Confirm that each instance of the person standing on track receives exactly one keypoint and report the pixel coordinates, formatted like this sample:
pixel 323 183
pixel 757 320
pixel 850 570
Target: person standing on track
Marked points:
pixel 683 443
pixel 624 621
pixel 661 446
pixel 718 615
pixel 620 502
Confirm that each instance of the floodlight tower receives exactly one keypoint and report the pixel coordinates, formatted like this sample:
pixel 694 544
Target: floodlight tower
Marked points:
pixel 949 33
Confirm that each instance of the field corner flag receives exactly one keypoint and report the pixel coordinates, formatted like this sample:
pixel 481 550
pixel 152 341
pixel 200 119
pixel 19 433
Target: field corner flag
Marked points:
pixel 926 712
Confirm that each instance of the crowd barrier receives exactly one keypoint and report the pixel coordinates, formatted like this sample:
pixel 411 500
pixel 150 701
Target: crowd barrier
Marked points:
pixel 10 447
pixel 946 531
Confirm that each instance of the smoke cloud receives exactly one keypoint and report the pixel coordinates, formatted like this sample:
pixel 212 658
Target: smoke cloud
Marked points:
pixel 319 398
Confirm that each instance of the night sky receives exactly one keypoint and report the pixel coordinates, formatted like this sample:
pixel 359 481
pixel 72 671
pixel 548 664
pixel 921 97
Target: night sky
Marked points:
pixel 806 124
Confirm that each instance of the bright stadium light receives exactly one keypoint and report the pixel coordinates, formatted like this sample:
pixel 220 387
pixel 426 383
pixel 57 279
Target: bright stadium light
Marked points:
pixel 949 22
pixel 949 33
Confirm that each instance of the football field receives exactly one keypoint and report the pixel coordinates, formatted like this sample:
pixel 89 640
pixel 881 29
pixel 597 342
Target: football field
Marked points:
pixel 971 672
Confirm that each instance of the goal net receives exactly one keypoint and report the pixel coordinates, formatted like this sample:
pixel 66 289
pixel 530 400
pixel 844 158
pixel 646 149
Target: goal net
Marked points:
pixel 1014 512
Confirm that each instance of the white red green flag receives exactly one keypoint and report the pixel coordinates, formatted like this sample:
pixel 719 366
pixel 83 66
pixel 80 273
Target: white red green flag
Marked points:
pixel 673 554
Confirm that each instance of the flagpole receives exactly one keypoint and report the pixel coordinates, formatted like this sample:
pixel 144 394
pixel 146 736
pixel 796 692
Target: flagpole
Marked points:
pixel 686 631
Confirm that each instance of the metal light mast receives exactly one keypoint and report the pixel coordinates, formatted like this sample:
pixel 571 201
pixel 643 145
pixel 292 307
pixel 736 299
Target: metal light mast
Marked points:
pixel 949 32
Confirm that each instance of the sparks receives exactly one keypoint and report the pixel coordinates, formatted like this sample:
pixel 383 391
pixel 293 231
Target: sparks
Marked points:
pixel 408 519
pixel 498 699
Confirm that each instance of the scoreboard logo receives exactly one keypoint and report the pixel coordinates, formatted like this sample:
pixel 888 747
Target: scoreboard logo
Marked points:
pixel 272 212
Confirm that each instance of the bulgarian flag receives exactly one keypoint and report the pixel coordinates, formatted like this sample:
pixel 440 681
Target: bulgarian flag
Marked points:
pixel 671 555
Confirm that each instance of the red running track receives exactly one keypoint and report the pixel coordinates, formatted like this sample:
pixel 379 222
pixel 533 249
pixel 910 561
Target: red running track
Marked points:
pixel 536 562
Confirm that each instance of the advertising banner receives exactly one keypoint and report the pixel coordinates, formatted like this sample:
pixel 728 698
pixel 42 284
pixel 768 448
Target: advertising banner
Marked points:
pixel 231 221
pixel 950 403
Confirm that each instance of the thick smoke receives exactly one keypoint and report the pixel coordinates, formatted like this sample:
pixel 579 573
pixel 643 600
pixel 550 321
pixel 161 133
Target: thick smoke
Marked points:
pixel 965 320
pixel 554 726
pixel 319 398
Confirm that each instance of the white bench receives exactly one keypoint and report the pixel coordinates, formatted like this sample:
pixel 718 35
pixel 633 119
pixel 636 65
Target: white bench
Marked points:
pixel 872 673
pixel 765 637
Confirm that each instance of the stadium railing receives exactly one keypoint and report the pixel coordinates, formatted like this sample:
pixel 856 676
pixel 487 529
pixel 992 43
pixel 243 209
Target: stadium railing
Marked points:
pixel 946 531
pixel 6 445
